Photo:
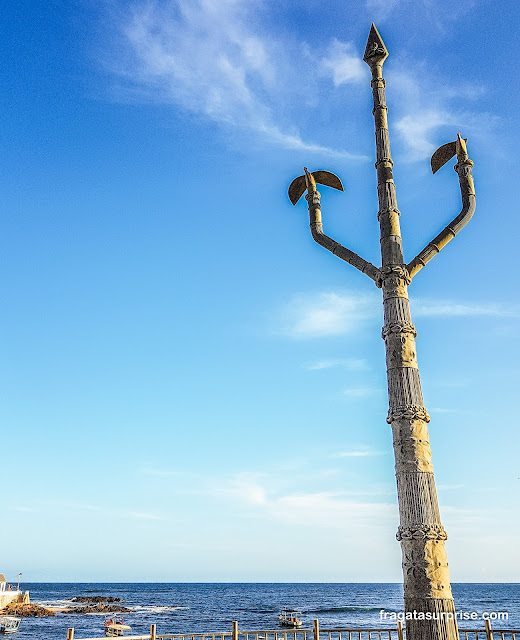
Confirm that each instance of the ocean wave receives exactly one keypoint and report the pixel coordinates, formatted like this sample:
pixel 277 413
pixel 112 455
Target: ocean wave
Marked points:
pixel 345 610
pixel 158 609
pixel 52 603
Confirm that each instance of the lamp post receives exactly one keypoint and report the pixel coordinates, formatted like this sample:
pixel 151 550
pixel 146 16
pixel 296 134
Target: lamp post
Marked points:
pixel 429 608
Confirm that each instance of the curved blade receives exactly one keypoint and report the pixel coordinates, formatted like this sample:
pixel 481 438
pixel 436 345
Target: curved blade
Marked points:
pixel 443 154
pixel 328 179
pixel 298 185
pixel 296 189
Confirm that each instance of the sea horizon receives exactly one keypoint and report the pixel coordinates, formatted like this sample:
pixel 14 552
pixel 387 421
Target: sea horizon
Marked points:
pixel 196 607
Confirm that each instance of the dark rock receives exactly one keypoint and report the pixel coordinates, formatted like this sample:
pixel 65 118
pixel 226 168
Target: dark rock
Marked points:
pixel 26 610
pixel 95 599
pixel 99 607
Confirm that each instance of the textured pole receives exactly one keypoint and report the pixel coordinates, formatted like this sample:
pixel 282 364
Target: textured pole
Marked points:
pixel 430 613
pixel 427 590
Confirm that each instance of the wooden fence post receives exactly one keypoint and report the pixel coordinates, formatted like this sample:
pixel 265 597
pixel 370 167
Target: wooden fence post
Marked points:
pixel 234 630
pixel 400 632
pixel 489 631
pixel 70 634
pixel 153 631
pixel 316 630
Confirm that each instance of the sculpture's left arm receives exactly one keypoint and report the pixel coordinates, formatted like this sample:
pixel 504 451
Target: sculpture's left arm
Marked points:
pixel 467 189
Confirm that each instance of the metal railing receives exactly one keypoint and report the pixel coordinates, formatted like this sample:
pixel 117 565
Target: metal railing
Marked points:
pixel 397 633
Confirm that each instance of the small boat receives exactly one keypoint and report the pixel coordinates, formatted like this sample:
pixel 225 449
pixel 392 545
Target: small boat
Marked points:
pixel 114 626
pixel 9 624
pixel 289 618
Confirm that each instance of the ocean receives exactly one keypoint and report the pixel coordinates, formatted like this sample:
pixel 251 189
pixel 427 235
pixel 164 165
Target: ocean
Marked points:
pixel 182 608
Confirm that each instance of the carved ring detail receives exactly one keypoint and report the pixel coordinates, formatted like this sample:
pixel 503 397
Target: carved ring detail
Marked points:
pixel 396 270
pixel 422 532
pixel 313 198
pixel 398 327
pixel 386 210
pixel 411 413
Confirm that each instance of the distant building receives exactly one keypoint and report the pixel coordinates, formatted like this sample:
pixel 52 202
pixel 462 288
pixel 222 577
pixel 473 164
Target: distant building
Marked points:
pixel 8 593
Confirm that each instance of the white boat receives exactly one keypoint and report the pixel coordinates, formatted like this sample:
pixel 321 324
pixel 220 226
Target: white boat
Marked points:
pixel 114 626
pixel 9 624
pixel 289 618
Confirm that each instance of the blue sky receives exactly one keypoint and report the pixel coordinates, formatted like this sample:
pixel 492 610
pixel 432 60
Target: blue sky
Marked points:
pixel 191 388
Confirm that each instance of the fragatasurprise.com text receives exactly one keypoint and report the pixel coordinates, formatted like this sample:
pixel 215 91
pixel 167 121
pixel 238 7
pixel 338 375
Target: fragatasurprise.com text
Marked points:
pixel 443 615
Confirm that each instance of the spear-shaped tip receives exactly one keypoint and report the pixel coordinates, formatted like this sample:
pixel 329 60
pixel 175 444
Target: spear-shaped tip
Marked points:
pixel 375 52
pixel 309 179
pixel 461 145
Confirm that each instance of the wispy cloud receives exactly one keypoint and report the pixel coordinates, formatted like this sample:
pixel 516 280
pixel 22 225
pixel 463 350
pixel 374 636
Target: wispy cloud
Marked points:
pixel 440 410
pixel 329 508
pixel 140 515
pixel 344 63
pixel 423 107
pixel 424 307
pixel 416 130
pixel 219 59
pixel 358 453
pixel 383 8
pixel 326 314
pixel 360 392
pixel 333 509
pixel 435 14
pixel 214 57
pixel 331 313
pixel 245 487
pixel 351 364
pixel 57 506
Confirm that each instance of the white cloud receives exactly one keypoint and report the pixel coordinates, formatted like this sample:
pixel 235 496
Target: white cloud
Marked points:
pixel 58 506
pixel 344 63
pixel 325 314
pixel 382 8
pixel 245 487
pixel 360 392
pixel 330 313
pixel 214 58
pixel 422 103
pixel 329 508
pixel 352 364
pixel 139 515
pixel 358 453
pixel 221 60
pixel 333 509
pixel 416 130
pixel 425 307
pixel 435 14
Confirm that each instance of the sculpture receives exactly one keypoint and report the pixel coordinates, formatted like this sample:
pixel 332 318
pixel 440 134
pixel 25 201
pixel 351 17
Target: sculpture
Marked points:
pixel 427 589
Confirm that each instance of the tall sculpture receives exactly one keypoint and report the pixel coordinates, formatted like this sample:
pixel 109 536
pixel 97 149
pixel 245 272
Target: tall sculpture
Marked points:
pixel 427 590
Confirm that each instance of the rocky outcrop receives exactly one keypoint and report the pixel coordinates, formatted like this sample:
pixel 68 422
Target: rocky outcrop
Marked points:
pixel 99 607
pixel 91 599
pixel 26 610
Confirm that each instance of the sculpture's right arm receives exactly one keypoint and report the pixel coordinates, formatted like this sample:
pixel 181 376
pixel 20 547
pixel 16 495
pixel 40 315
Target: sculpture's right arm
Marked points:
pixel 467 189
